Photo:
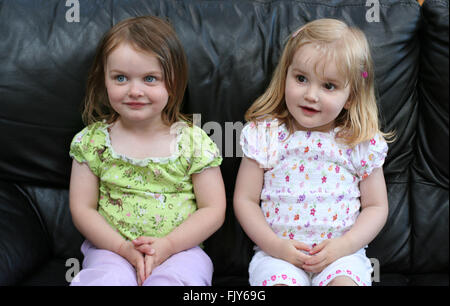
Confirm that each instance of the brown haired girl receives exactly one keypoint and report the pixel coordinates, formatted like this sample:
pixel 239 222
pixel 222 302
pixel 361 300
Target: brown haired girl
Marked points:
pixel 140 191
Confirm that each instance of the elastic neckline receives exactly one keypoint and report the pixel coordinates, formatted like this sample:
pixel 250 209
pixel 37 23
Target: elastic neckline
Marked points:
pixel 145 161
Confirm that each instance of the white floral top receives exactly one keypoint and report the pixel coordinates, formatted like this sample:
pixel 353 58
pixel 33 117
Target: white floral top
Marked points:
pixel 311 182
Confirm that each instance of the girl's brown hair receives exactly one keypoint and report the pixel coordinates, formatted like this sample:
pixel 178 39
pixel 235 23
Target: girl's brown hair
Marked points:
pixel 147 34
pixel 348 48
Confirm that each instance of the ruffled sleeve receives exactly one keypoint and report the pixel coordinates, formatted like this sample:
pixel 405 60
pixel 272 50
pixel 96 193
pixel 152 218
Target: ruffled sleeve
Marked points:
pixel 259 141
pixel 199 150
pixel 369 155
pixel 88 146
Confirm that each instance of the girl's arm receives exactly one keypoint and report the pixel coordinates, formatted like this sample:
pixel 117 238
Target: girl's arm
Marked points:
pixel 209 191
pixel 374 211
pixel 83 197
pixel 247 195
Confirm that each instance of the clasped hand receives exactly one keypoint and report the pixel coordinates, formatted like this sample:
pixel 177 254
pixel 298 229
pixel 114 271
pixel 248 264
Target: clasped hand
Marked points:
pixel 313 259
pixel 145 254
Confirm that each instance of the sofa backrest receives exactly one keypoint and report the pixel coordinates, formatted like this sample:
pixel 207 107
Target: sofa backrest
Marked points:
pixel 233 46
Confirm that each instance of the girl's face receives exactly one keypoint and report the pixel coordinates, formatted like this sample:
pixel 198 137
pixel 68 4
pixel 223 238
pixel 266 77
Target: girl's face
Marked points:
pixel 135 84
pixel 314 99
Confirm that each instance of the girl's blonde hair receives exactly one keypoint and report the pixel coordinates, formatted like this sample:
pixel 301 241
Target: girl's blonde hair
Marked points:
pixel 146 34
pixel 348 48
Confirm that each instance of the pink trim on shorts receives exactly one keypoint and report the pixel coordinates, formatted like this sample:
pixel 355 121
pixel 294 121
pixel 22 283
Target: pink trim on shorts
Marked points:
pixel 283 277
pixel 347 273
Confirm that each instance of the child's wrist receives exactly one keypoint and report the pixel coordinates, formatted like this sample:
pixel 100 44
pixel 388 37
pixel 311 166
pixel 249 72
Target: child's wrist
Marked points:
pixel 275 247
pixel 170 246
pixel 120 248
pixel 349 245
pixel 164 250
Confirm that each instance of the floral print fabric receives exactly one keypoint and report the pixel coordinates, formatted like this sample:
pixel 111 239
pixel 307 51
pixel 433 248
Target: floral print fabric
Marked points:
pixel 148 196
pixel 311 182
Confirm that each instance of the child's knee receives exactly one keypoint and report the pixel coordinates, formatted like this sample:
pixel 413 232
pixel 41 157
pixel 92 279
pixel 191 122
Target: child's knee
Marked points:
pixel 342 281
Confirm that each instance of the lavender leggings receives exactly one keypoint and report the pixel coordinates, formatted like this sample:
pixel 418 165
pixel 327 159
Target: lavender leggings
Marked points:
pixel 192 267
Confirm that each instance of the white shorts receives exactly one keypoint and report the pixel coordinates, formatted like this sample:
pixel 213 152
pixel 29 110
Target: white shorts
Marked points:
pixel 265 270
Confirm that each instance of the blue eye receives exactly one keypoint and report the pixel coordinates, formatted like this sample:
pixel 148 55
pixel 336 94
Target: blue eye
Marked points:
pixel 149 79
pixel 121 78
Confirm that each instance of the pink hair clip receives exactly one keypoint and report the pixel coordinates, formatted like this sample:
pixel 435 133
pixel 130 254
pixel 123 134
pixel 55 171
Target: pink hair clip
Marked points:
pixel 364 74
pixel 296 33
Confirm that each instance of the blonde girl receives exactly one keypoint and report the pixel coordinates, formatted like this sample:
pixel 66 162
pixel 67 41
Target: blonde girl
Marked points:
pixel 310 191
pixel 145 191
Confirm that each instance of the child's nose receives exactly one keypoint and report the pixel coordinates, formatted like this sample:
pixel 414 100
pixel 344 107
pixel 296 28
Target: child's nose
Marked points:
pixel 311 94
pixel 135 90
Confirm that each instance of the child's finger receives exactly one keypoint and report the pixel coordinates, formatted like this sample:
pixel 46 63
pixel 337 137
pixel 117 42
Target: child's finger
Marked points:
pixel 140 269
pixel 300 259
pixel 304 257
pixel 315 263
pixel 143 240
pixel 139 282
pixel 301 246
pixel 316 259
pixel 316 249
pixel 146 249
pixel 148 266
pixel 315 268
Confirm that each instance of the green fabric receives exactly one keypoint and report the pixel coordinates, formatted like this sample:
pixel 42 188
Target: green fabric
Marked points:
pixel 145 197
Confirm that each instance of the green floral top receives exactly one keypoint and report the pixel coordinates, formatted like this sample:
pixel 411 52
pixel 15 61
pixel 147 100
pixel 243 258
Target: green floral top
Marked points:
pixel 145 197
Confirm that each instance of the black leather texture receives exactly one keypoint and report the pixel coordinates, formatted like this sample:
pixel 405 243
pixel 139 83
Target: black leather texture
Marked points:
pixel 232 49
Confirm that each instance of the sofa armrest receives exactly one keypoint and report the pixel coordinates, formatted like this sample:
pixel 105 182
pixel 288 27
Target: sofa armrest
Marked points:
pixel 23 242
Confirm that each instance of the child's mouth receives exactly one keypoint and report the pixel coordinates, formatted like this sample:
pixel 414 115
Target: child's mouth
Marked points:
pixel 136 104
pixel 309 110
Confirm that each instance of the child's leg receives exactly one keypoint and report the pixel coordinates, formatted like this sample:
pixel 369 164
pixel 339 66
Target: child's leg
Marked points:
pixel 192 267
pixel 354 269
pixel 342 281
pixel 265 270
pixel 104 268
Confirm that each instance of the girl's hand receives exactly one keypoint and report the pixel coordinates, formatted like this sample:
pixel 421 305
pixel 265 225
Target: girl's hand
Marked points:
pixel 149 264
pixel 134 257
pixel 156 251
pixel 325 253
pixel 292 252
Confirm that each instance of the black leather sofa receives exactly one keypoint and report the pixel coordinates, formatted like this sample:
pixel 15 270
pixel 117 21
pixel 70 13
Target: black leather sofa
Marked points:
pixel 46 48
